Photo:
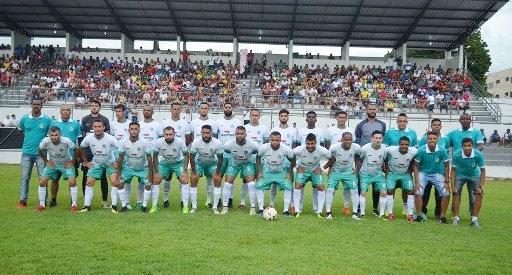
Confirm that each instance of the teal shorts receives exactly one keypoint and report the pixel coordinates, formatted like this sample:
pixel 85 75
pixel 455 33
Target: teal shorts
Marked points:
pixel 97 171
pixel 53 173
pixel 405 181
pixel 245 170
pixel 166 170
pixel 378 181
pixel 348 179
pixel 128 174
pixel 303 178
pixel 206 170
pixel 278 178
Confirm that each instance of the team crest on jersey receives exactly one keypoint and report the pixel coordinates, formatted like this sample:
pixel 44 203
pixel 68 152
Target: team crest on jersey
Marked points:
pixel 139 149
pixel 104 146
pixel 41 126
pixel 437 160
pixel 151 129
pixel 179 127
pixel 259 132
pixel 232 126
pixel 174 150
pixel 246 152
pixel 61 149
pixel 71 128
pixel 350 155
pixel 380 156
pixel 473 164
pixel 407 160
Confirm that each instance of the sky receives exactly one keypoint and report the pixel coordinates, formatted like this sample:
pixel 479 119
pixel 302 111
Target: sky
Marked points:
pixel 499 43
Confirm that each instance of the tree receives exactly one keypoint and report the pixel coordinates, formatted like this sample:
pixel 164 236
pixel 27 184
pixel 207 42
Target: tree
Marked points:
pixel 478 57
pixel 429 54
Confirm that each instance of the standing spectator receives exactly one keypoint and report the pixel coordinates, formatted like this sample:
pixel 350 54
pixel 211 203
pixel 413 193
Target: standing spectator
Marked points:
pixel 34 127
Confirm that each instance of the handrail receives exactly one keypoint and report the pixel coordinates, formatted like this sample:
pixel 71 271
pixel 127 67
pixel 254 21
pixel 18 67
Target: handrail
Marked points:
pixel 489 102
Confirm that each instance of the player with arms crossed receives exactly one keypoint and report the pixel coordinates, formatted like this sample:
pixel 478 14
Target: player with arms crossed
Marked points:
pixel 174 161
pixel 241 150
pixel 135 161
pixel 308 169
pixel 205 159
pixel 272 169
pixel 398 169
pixel 59 159
pixel 468 166
pixel 102 146
pixel 343 163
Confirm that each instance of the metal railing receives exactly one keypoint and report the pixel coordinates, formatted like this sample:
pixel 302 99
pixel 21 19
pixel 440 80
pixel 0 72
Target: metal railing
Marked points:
pixel 488 101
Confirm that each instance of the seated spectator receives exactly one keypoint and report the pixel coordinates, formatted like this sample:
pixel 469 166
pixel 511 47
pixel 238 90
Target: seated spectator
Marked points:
pixel 7 121
pixel 495 137
pixel 507 139
pixel 80 101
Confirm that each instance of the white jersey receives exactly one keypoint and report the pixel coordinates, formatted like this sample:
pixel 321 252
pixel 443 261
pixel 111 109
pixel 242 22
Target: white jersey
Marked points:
pixel 335 134
pixel 226 128
pixel 181 127
pixel 288 135
pixel 135 153
pixel 197 124
pixel 398 162
pixel 240 154
pixel 58 153
pixel 372 159
pixel 206 153
pixel 170 153
pixel 258 134
pixel 150 131
pixel 344 158
pixel 274 161
pixel 310 160
pixel 102 149
pixel 303 133
pixel 120 130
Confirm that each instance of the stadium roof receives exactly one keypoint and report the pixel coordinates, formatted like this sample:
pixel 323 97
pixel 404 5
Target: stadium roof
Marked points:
pixel 435 24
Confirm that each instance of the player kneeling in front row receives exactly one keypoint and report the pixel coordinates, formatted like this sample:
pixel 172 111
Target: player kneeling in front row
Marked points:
pixel 398 169
pixel 308 169
pixel 468 166
pixel 205 159
pixel 271 164
pixel 135 161
pixel 57 148
pixel 174 160
pixel 102 146
pixel 343 164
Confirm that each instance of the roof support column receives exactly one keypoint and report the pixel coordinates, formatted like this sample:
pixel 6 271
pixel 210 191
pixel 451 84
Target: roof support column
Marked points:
pixel 290 54
pixel 461 64
pixel 235 49
pixel 184 45
pixel 72 42
pixel 178 48
pixel 447 57
pixel 126 45
pixel 402 52
pixel 156 46
pixel 18 39
pixel 345 54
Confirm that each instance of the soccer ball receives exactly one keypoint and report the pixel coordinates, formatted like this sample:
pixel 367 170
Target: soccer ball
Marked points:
pixel 270 213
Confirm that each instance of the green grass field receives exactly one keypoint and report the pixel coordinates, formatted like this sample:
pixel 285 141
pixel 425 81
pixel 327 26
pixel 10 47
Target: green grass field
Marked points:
pixel 57 241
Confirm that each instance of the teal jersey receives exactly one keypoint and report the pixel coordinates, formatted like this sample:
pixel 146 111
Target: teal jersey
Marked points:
pixel 71 129
pixel 392 137
pixel 443 142
pixel 468 167
pixel 456 137
pixel 34 130
pixel 431 162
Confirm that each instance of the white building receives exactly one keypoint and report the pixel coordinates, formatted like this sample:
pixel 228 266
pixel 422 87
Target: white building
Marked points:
pixel 500 83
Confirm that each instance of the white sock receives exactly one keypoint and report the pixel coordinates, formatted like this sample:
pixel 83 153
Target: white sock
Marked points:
pixel 147 194
pixel 410 204
pixel 362 204
pixel 217 191
pixel 297 195
pixel 382 205
pixel 155 191
pixel 122 196
pixel 185 194
pixel 232 192
pixel 355 200
pixel 113 195
pixel 260 196
pixel 226 193
pixel 301 201
pixel 167 189
pixel 321 201
pixel 291 197
pixel 89 193
pixel 181 195
pixel 127 192
pixel 252 193
pixel 140 192
pixel 74 195
pixel 243 194
pixel 346 197
pixel 390 201
pixel 273 194
pixel 329 197
pixel 287 200
pixel 404 206
pixel 193 196
pixel 209 191
pixel 42 195
pixel 315 200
